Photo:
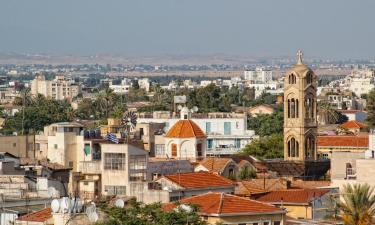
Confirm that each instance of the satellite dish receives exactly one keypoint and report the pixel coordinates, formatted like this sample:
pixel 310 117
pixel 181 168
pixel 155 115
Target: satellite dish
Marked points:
pixel 195 109
pixel 179 107
pixel 120 203
pixel 65 205
pixel 91 212
pixel 55 205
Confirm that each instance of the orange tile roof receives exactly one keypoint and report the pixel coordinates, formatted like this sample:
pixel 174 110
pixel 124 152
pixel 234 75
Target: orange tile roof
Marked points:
pixel 353 124
pixel 256 186
pixel 360 141
pixel 220 204
pixel 216 165
pixel 39 216
pixel 199 180
pixel 185 129
pixel 297 196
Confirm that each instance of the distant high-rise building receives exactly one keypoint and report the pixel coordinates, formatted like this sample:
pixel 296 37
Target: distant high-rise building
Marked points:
pixel 258 76
pixel 58 88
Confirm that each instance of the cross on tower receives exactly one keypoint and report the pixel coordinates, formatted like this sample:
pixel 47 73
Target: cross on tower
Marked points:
pixel 299 57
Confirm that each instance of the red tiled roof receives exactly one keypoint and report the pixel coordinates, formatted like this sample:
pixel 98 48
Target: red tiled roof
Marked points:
pixel 256 186
pixel 199 180
pixel 39 216
pixel 360 141
pixel 215 164
pixel 213 203
pixel 185 129
pixel 353 124
pixel 298 196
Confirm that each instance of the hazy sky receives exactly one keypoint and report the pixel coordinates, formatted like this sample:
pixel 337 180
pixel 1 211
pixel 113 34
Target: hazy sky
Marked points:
pixel 322 28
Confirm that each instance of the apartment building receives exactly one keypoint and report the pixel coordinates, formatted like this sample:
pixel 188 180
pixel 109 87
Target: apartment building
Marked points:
pixel 226 133
pixel 58 88
pixel 109 169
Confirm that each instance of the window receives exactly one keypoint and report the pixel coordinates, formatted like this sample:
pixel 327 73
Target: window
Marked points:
pixel 309 78
pixel 55 146
pixel 174 150
pixel 114 161
pixel 293 108
pixel 208 127
pixel 37 146
pixel 138 168
pixel 276 223
pixel 293 148
pixel 115 190
pixel 96 152
pixel 70 164
pixel 199 150
pixel 237 143
pixel 85 183
pixel 292 79
pixel 87 149
pixel 210 143
pixel 309 147
pixel 227 128
pixel 14 145
pixel 160 150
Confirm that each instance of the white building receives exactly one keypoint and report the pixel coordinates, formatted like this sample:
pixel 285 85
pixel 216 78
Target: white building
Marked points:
pixel 144 84
pixel 226 133
pixel 58 89
pixel 259 75
pixel 122 88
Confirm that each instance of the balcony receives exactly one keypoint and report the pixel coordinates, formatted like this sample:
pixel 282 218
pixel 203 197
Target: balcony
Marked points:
pixel 223 151
pixel 90 167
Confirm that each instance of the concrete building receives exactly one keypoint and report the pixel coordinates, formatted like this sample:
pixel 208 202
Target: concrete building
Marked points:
pixel 122 88
pixel 259 75
pixel 109 169
pixel 144 83
pixel 226 133
pixel 64 140
pixel 18 145
pixel 58 88
pixel 327 145
pixel 301 203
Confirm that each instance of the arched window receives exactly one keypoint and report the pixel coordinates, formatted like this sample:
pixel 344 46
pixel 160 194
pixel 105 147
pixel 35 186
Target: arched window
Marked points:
pixel 293 148
pixel 292 79
pixel 309 147
pixel 293 108
pixel 309 78
pixel 309 108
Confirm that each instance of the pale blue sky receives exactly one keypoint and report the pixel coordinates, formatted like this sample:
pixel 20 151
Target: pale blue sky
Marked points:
pixel 322 28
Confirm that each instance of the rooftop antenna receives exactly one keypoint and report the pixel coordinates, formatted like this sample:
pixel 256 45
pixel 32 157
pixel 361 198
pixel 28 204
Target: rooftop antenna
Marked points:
pixel 119 203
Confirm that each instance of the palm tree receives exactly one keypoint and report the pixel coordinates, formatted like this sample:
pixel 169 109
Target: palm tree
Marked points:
pixel 358 205
pixel 326 114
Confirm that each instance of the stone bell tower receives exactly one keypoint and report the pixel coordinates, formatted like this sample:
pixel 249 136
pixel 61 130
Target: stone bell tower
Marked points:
pixel 300 123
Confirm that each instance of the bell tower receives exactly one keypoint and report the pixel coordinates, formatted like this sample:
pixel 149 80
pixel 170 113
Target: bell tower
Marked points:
pixel 300 123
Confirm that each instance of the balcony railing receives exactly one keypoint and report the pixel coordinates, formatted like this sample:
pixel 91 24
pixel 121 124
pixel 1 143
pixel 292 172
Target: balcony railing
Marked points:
pixel 223 151
pixel 90 167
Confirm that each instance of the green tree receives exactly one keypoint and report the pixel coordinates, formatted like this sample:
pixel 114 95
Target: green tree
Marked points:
pixel 268 147
pixel 265 125
pixel 149 214
pixel 358 205
pixel 247 173
pixel 370 107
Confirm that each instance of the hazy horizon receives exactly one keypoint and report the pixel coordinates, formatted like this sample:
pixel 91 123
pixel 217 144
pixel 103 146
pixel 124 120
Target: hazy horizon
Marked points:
pixel 339 29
